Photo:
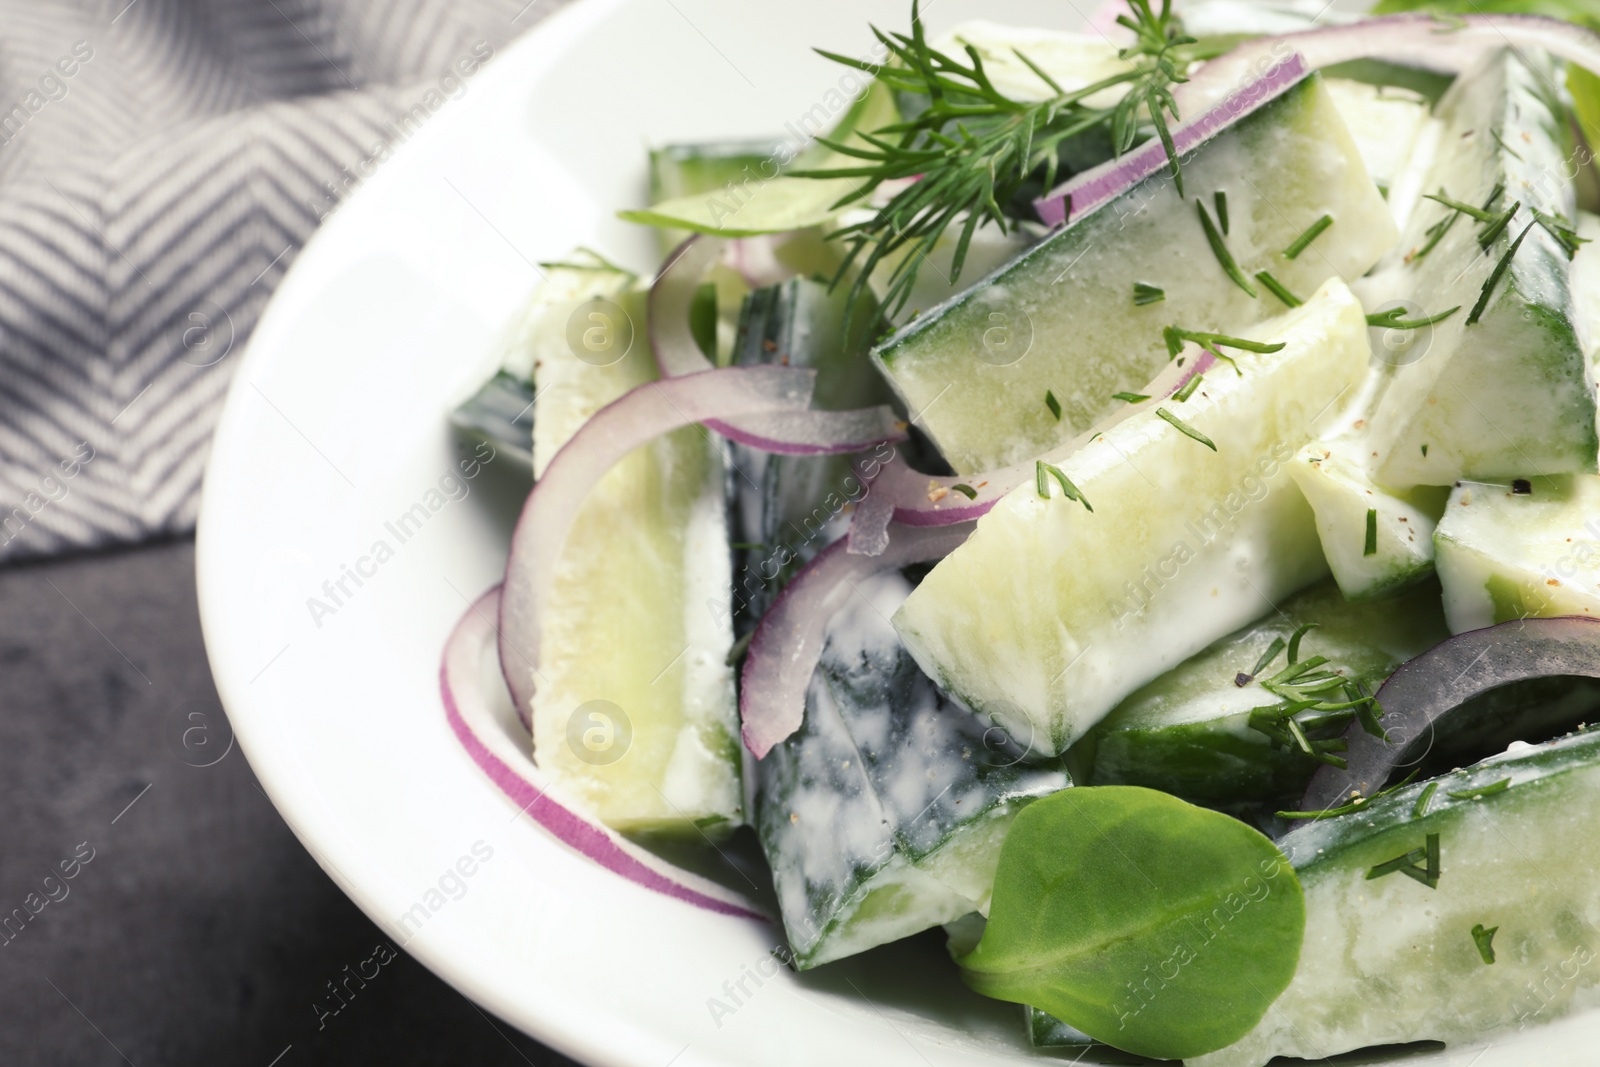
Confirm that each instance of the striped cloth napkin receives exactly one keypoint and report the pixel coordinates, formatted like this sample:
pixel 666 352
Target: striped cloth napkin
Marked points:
pixel 161 163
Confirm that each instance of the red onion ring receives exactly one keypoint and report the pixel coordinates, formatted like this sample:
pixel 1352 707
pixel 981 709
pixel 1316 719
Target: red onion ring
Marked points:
pixel 898 494
pixel 1425 690
pixel 470 712
pixel 1098 186
pixel 634 419
pixel 788 643
pixel 1448 44
pixel 806 433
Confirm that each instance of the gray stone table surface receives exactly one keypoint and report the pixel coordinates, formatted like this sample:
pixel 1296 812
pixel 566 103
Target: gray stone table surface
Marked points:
pixel 195 929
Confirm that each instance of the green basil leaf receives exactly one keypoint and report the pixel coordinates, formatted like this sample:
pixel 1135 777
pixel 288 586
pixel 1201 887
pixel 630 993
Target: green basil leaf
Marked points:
pixel 1150 924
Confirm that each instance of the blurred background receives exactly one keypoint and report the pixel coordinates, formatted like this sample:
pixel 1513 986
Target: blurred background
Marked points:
pixel 162 163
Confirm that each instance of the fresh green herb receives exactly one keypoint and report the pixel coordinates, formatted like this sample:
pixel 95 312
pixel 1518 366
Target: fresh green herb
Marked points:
pixel 1147 294
pixel 1220 199
pixel 1394 319
pixel 1437 231
pixel 1435 234
pixel 1184 428
pixel 1492 231
pixel 965 490
pixel 1421 807
pixel 1278 289
pixel 1512 152
pixel 1295 638
pixel 1562 231
pixel 1301 243
pixel 975 149
pixel 1487 791
pixel 1495 275
pixel 1176 337
pixel 1442 197
pixel 1188 388
pixel 1157 871
pixel 1484 939
pixel 1131 398
pixel 1355 805
pixel 1421 864
pixel 1368 710
pixel 1044 471
pixel 1268 656
pixel 1220 250
pixel 1424 451
pixel 1052 403
pixel 1370 548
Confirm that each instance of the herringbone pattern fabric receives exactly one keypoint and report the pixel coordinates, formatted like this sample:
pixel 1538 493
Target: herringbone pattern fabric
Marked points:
pixel 161 163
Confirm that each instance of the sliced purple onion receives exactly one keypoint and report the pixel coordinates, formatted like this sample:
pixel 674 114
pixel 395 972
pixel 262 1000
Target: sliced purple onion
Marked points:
pixel 1448 44
pixel 470 707
pixel 1100 185
pixel 787 645
pixel 1419 697
pixel 634 419
pixel 791 432
pixel 898 494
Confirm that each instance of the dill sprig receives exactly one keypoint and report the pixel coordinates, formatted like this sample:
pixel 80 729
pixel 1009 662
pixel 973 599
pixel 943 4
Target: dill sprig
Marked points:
pixel 1305 718
pixel 1495 275
pixel 1421 864
pixel 1147 294
pixel 1219 248
pixel 1278 289
pixel 1184 428
pixel 1043 472
pixel 1370 547
pixel 1484 939
pixel 1394 319
pixel 1312 232
pixel 1052 403
pixel 973 149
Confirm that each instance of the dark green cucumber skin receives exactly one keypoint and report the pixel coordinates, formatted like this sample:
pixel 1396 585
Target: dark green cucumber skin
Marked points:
pixel 792 506
pixel 1216 764
pixel 873 723
pixel 1350 839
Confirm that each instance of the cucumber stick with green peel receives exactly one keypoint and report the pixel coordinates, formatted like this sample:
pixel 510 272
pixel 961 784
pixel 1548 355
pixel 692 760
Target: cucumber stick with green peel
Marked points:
pixel 1189 733
pixel 1389 959
pixel 1504 386
pixel 788 508
pixel 1062 318
pixel 1527 548
pixel 1051 614
pixel 884 815
pixel 634 709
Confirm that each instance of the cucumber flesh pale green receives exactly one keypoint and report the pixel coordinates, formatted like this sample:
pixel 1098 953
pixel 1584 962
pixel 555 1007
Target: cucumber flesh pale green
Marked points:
pixel 1377 543
pixel 1051 614
pixel 1387 959
pixel 1527 549
pixel 883 816
pixel 1061 317
pixel 633 710
pixel 1513 393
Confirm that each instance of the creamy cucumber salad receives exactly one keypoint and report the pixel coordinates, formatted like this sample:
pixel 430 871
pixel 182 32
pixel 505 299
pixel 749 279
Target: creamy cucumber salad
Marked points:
pixel 1128 498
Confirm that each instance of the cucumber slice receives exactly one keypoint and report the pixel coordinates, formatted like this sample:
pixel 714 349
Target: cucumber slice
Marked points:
pixel 1188 732
pixel 1060 318
pixel 1586 283
pixel 1505 554
pixel 1514 394
pixel 883 816
pixel 789 507
pixel 1384 123
pixel 1389 960
pixel 1399 551
pixel 634 712
pixel 1051 614
pixel 1073 60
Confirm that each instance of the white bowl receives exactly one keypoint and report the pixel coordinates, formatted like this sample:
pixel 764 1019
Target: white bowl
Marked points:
pixel 336 426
